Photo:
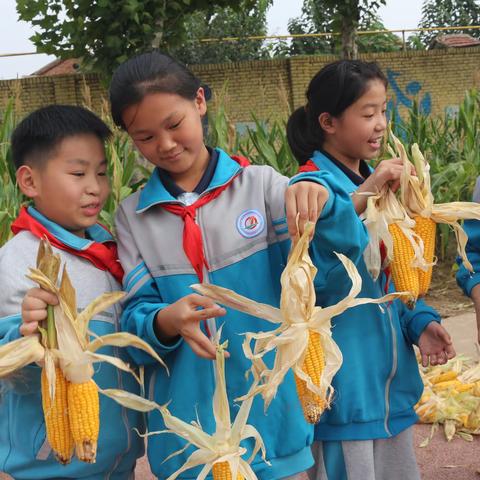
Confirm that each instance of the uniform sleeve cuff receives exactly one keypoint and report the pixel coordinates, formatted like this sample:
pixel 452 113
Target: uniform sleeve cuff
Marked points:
pixel 419 324
pixel 471 282
pixel 153 339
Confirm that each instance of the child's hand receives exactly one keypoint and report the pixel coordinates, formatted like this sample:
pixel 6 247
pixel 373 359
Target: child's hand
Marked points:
pixel 435 345
pixel 34 309
pixel 183 318
pixel 306 199
pixel 387 171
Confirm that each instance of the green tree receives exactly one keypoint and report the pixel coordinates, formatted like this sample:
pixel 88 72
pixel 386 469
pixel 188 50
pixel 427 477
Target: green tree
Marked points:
pixel 346 17
pixel 104 33
pixel 448 13
pixel 218 22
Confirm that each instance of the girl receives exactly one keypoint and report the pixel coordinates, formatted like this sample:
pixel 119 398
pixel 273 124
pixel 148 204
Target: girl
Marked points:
pixel 209 217
pixel 367 434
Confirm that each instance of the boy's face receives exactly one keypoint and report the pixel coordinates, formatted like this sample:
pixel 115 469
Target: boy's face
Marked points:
pixel 71 187
pixel 167 129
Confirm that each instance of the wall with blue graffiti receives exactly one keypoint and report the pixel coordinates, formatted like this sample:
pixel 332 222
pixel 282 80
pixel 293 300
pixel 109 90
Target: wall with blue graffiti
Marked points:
pixel 405 97
pixel 435 79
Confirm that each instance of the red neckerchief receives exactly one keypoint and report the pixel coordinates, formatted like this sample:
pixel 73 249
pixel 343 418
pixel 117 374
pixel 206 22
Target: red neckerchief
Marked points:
pixel 192 235
pixel 310 166
pixel 102 255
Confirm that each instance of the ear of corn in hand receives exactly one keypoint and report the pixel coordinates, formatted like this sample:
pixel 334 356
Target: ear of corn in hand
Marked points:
pixel 314 364
pixel 69 395
pixel 303 338
pixel 417 199
pixel 404 275
pixel 220 452
pixel 222 471
pixel 56 416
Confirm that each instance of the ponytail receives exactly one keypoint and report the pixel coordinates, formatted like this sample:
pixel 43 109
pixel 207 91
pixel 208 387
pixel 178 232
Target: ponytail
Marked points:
pixel 302 140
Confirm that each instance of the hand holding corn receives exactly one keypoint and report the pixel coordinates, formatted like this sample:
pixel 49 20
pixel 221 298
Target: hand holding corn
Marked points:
pixel 303 340
pixel 387 172
pixel 34 309
pixel 304 202
pixel 66 352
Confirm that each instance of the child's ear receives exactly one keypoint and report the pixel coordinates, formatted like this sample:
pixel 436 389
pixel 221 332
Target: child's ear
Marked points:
pixel 327 123
pixel 26 180
pixel 201 102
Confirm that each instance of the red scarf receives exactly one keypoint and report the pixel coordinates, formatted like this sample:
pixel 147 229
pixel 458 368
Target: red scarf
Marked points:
pixel 310 166
pixel 192 235
pixel 102 255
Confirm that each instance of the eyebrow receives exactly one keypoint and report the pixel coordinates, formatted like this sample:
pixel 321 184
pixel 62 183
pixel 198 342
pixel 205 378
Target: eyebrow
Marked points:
pixel 370 105
pixel 145 130
pixel 82 161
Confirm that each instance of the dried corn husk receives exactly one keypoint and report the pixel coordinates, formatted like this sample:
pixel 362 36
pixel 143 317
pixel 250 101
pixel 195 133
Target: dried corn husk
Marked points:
pixel 64 340
pixel 296 316
pixel 451 398
pixel 384 209
pixel 221 446
pixel 417 198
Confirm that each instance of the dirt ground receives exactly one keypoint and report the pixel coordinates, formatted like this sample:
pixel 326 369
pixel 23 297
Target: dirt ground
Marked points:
pixel 445 295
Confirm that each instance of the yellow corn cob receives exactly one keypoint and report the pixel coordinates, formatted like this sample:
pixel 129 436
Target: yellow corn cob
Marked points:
pixel 476 389
pixel 424 399
pixel 56 417
pixel 313 365
pixel 473 421
pixel 443 377
pixel 404 275
pixel 446 385
pixel 425 228
pixel 83 407
pixel 464 387
pixel 221 471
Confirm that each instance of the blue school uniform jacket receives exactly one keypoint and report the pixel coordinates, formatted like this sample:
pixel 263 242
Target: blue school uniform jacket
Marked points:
pixel 24 450
pixel 378 384
pixel 246 242
pixel 466 279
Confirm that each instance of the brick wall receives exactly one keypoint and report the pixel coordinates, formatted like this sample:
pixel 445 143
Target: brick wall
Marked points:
pixel 271 88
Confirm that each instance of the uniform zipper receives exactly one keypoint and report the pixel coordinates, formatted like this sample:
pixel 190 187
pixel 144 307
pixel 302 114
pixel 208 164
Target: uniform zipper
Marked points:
pixel 210 323
pixel 393 371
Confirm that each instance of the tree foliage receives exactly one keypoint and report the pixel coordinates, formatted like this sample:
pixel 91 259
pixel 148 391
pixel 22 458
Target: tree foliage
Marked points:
pixel 448 13
pixel 104 33
pixel 346 17
pixel 218 22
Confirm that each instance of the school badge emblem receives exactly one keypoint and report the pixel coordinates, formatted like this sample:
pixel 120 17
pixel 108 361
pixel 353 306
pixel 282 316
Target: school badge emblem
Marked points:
pixel 250 223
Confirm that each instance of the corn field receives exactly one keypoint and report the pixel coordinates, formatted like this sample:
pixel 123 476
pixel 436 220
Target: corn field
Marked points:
pixel 451 145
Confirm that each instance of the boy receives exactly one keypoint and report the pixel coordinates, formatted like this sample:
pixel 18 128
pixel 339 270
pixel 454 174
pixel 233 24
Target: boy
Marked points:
pixel 59 156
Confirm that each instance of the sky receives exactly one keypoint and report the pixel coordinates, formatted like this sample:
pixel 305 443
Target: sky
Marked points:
pixel 14 35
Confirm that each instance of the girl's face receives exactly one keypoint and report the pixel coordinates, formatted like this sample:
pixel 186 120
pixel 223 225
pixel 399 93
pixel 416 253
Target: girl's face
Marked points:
pixel 357 133
pixel 167 130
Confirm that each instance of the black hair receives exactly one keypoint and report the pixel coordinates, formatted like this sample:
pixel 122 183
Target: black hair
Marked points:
pixel 332 90
pixel 38 135
pixel 151 72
